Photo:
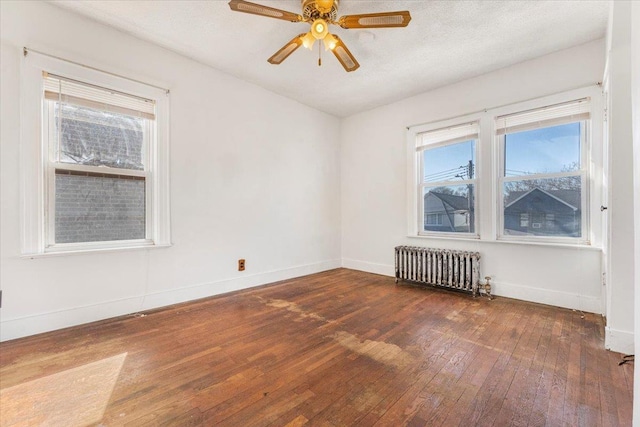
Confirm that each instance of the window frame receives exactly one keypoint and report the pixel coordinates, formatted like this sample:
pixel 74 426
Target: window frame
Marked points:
pixel 585 190
pixel 51 148
pixel 38 171
pixel 416 184
pixel 488 194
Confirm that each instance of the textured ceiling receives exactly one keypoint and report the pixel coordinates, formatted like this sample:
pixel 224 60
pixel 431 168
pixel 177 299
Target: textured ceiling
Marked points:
pixel 445 42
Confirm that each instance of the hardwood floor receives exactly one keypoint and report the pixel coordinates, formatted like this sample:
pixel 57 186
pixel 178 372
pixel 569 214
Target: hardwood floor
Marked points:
pixel 337 348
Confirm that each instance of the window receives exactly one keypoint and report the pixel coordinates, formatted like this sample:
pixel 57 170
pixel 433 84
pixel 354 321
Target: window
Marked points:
pixel 526 173
pixel 434 219
pixel 103 173
pixel 550 220
pixel 97 171
pixel 446 160
pixel 542 185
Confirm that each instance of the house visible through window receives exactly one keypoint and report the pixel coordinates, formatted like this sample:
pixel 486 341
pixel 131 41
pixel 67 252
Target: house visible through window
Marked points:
pixel 447 159
pixel 543 177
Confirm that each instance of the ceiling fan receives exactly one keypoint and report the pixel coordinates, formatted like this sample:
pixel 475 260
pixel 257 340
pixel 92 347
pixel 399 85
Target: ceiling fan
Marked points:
pixel 320 14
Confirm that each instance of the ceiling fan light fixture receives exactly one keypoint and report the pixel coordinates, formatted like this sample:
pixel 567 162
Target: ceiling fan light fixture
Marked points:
pixel 330 42
pixel 308 40
pixel 319 28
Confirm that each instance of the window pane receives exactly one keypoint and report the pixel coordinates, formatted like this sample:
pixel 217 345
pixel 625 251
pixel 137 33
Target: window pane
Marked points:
pixel 450 162
pixel 98 208
pixel 449 209
pixel 547 150
pixel 543 207
pixel 98 138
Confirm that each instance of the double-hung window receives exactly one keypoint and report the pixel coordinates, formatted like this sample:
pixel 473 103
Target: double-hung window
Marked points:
pixel 98 143
pixel 543 172
pixel 96 176
pixel 446 164
pixel 527 177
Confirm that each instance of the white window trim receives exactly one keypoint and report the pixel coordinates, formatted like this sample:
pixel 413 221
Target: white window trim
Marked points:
pixel 584 182
pixel 488 172
pixel 590 158
pixel 34 161
pixel 52 165
pixel 415 215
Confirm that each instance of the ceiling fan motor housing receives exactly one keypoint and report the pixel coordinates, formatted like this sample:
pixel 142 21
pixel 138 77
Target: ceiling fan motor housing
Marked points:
pixel 314 9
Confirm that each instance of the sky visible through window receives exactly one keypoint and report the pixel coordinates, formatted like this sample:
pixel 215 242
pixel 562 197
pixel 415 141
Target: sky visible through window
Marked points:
pixel 546 150
pixel 450 162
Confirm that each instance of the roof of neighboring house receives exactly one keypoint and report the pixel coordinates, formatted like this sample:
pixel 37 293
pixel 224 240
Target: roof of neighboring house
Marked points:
pixel 458 203
pixel 568 197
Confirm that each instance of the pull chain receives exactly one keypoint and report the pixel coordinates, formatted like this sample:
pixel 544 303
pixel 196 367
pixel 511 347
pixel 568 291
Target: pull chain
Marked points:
pixel 319 54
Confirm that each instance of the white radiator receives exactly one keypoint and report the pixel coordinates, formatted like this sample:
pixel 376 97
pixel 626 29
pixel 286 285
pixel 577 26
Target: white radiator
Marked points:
pixel 458 270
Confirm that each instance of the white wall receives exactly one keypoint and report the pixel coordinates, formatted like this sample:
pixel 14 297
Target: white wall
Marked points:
pixel 620 318
pixel 253 175
pixel 374 195
pixel 635 110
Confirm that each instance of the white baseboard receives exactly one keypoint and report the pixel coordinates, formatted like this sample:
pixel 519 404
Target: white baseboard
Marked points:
pixel 190 293
pixel 45 322
pixel 620 341
pixel 369 267
pixel 585 303
pixel 589 304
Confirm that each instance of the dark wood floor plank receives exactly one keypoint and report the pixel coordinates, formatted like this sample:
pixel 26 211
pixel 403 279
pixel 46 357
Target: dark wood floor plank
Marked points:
pixel 464 377
pixel 510 409
pixel 590 412
pixel 572 398
pixel 620 378
pixel 469 386
pixel 523 390
pixel 443 358
pixel 486 405
pixel 549 346
pixel 336 348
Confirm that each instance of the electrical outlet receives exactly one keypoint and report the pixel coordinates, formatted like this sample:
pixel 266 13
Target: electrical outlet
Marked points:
pixel 241 265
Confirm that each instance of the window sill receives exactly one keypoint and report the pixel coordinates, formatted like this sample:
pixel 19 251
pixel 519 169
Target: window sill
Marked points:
pixel 579 246
pixel 79 251
pixel 448 236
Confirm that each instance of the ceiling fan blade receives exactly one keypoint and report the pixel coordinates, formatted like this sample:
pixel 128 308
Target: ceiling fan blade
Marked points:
pixel 376 20
pixel 344 56
pixel 286 50
pixel 258 9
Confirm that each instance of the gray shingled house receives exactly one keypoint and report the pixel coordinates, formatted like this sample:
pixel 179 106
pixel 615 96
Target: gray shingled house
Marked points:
pixel 543 213
pixel 448 213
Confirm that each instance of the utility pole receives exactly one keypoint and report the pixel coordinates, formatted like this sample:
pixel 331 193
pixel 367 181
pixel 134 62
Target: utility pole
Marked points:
pixel 470 196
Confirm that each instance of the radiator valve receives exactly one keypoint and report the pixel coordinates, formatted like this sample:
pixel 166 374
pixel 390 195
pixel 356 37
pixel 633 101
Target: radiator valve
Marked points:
pixel 487 287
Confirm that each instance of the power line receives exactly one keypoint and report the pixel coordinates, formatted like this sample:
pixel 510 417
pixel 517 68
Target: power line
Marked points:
pixel 448 177
pixel 446 171
pixel 450 173
pixel 517 171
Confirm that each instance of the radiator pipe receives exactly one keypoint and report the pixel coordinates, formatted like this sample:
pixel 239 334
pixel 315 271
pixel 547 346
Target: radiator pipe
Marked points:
pixel 487 287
